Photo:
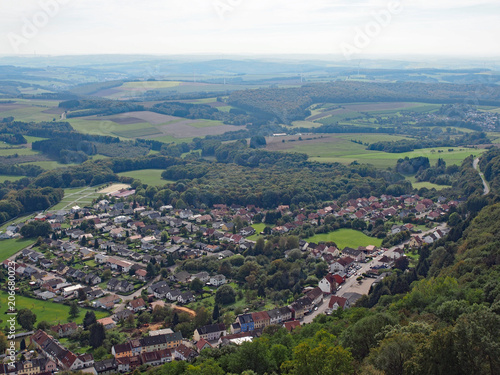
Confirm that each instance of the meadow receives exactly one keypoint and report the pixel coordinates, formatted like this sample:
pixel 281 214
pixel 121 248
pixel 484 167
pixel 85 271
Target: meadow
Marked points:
pixel 53 313
pixel 346 238
pixel 12 246
pixel 4 178
pixel 150 177
pixel 329 148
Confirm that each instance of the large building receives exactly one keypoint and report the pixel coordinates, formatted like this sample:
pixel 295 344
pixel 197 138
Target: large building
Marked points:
pixel 210 332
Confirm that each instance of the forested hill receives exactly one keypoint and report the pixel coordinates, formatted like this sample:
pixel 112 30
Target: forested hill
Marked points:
pixel 289 104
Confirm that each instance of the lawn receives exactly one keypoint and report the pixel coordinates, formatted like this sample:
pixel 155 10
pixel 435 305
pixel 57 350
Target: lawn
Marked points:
pixel 346 238
pixel 258 228
pixel 51 312
pixel 17 150
pixel 148 176
pixel 12 246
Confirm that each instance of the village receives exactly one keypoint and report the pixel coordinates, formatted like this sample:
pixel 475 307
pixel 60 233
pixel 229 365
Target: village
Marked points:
pixel 125 259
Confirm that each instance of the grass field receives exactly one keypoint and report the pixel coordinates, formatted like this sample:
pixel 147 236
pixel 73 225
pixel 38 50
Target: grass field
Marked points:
pixel 259 227
pixel 12 246
pixel 147 176
pixel 331 148
pixel 78 196
pixel 51 312
pixel 346 238
pixel 425 184
pixel 4 178
pixel 18 151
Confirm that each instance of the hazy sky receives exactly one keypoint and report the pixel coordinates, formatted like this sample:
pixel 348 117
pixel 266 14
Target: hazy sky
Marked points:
pixel 350 27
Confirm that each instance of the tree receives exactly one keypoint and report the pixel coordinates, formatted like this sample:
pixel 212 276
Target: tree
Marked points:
pixel 216 313
pixel 74 311
pixel 319 355
pixel 402 263
pixel 82 296
pixel 106 275
pixel 175 320
pixel 22 345
pixel 225 295
pixel 151 271
pixel 196 285
pixel 97 335
pixel 89 319
pixel 26 319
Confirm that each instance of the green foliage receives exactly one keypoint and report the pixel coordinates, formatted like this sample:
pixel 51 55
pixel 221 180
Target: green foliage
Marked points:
pixel 26 319
pixel 225 295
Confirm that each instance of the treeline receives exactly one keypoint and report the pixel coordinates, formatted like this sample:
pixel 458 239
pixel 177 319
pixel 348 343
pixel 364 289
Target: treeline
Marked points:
pixel 14 203
pixel 13 139
pixel 20 170
pixel 407 145
pixel 66 150
pixel 490 166
pixel 103 107
pixel 202 111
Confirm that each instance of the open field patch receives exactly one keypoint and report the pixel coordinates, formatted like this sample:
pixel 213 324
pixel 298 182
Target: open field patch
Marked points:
pixel 346 238
pixel 113 188
pixel 12 246
pixel 4 178
pixel 137 133
pixel 147 176
pixel 340 149
pixel 51 312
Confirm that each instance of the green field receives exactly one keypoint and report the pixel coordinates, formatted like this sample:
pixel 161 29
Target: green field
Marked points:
pixel 425 184
pixel 342 150
pixel 346 238
pixel 12 246
pixel 51 312
pixel 4 178
pixel 18 151
pixel 77 196
pixel 149 85
pixel 147 176
pixel 259 227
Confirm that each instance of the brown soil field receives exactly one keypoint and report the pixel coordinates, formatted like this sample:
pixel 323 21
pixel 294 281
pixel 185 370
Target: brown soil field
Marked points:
pixel 147 116
pixel 108 92
pixel 10 106
pixel 184 309
pixel 54 111
pixel 113 188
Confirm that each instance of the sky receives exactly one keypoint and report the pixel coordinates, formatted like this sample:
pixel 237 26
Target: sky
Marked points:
pixel 349 28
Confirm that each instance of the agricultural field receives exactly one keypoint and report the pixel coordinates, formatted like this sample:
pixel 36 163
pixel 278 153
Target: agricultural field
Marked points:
pixel 30 110
pixel 149 125
pixel 150 177
pixel 12 246
pixel 129 90
pixel 50 312
pixel 346 238
pixel 332 148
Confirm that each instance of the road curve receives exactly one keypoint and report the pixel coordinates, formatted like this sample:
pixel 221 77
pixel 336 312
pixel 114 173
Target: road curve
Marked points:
pixel 475 164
